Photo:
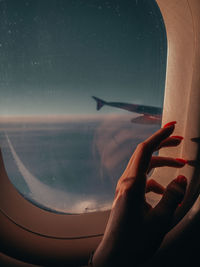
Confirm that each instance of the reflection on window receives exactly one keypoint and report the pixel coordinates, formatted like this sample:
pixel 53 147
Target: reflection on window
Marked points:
pixel 81 84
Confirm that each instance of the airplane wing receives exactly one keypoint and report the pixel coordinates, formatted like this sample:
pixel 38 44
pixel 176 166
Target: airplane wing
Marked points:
pixel 149 114
pixel 100 102
pixel 147 119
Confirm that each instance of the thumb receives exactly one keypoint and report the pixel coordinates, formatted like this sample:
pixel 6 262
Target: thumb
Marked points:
pixel 172 197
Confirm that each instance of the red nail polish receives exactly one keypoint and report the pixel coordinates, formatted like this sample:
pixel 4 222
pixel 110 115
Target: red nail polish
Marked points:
pixel 169 124
pixel 181 180
pixel 182 160
pixel 178 137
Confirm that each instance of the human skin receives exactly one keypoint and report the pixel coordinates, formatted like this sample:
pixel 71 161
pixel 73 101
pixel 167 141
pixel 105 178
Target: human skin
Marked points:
pixel 135 229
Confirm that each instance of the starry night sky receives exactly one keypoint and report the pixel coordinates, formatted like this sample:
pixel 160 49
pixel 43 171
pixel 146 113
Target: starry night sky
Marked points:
pixel 56 54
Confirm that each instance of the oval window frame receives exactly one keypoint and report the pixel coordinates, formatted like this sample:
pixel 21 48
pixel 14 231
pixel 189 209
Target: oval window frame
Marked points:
pixel 41 232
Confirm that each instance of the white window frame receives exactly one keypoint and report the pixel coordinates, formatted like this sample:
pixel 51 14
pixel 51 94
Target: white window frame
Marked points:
pixel 41 236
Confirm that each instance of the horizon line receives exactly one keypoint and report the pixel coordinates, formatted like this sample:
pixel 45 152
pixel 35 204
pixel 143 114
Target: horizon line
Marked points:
pixel 59 117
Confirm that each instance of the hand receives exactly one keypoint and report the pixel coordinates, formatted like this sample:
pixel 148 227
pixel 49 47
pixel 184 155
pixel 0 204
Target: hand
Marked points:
pixel 135 230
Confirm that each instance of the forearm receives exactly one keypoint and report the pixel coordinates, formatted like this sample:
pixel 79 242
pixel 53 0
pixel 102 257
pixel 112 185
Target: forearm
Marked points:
pixel 104 257
pixel 101 257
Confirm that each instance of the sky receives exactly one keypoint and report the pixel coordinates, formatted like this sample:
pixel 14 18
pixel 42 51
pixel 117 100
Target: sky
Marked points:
pixel 56 54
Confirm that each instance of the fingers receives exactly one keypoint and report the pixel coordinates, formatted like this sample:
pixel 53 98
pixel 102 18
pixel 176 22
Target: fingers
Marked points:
pixel 138 166
pixel 172 197
pixel 143 153
pixel 155 140
pixel 168 142
pixel 171 142
pixel 157 161
pixel 153 186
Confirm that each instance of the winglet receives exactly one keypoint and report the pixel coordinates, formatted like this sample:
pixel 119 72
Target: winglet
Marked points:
pixel 100 102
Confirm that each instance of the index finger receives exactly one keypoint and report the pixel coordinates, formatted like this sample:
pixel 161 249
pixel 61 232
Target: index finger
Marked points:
pixel 144 151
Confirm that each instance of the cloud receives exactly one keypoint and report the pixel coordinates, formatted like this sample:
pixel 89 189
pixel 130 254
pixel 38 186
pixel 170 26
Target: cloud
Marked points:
pixel 115 140
pixel 55 199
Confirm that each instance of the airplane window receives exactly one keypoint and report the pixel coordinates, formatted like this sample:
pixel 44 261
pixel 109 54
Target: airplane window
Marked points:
pixel 82 83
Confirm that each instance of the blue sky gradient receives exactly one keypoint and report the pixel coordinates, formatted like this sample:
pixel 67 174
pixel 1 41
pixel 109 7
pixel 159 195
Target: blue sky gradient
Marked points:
pixel 56 54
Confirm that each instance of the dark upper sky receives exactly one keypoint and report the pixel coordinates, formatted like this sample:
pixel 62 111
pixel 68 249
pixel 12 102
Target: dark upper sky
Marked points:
pixel 56 54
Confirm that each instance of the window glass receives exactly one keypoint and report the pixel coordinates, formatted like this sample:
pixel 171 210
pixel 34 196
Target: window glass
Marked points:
pixel 81 84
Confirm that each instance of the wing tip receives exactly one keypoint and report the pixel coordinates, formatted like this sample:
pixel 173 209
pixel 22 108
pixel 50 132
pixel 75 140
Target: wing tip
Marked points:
pixel 100 102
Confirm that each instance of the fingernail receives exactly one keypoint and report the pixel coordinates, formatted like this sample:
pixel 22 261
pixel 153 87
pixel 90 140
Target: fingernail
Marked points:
pixel 169 124
pixel 183 161
pixel 178 137
pixel 181 180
